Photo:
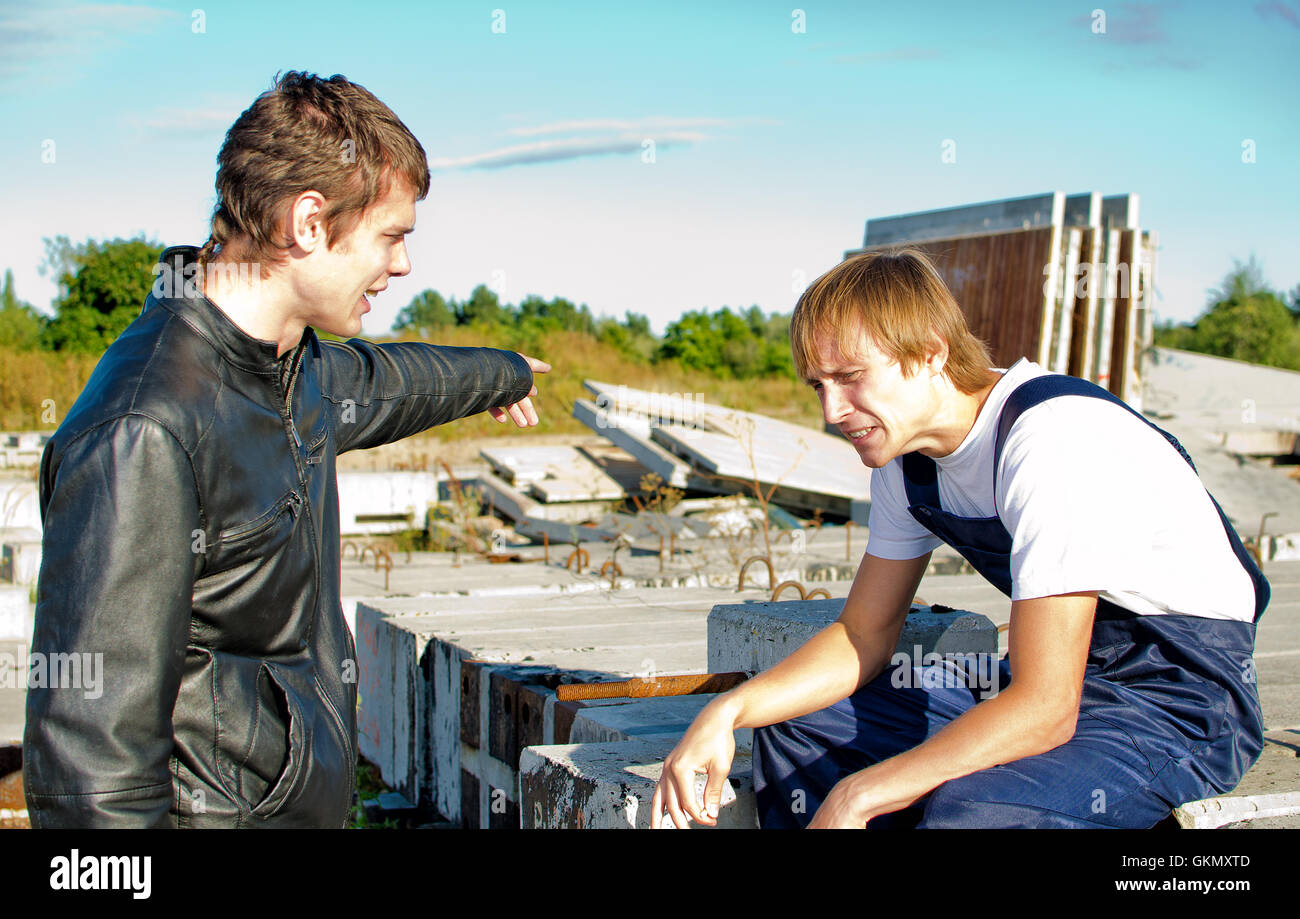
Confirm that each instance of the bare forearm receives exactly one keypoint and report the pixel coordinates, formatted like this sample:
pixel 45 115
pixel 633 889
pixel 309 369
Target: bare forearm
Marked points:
pixel 839 659
pixel 827 668
pixel 1003 729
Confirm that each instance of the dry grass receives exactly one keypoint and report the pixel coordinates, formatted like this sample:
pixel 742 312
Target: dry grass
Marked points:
pixel 27 379
pixel 576 357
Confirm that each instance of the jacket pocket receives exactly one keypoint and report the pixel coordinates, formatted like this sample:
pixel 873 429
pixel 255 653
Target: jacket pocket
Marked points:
pixel 263 535
pixel 279 739
pixel 313 785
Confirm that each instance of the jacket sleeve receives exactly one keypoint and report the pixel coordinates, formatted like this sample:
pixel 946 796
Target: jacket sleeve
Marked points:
pixel 114 601
pixel 383 393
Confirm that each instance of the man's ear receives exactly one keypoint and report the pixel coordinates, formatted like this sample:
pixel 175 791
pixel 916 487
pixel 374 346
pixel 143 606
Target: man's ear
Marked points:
pixel 306 221
pixel 936 357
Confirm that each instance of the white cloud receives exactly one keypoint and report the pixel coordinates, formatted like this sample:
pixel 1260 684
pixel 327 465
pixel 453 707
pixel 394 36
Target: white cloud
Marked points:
pixel 632 126
pixel 31 35
pixel 593 137
pixel 547 151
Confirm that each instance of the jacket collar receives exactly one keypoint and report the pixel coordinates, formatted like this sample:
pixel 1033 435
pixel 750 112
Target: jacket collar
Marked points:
pixel 178 290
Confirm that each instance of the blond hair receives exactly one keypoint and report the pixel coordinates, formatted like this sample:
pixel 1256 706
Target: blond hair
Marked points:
pixel 897 299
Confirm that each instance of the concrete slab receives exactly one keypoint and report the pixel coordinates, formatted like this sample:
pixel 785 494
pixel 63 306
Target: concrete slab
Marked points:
pixel 812 468
pixel 610 786
pixel 553 474
pixel 19 501
pixel 634 437
pixel 1217 392
pixel 648 719
pixel 384 502
pixel 755 636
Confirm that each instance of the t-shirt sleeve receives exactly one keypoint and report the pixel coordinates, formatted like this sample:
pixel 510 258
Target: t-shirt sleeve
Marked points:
pixel 1073 499
pixel 894 533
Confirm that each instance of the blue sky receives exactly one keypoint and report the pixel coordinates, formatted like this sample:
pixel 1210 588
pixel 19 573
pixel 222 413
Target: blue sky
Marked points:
pixel 772 146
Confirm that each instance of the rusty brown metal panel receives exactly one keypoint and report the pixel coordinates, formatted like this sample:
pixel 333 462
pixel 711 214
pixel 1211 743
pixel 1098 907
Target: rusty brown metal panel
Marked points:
pixel 997 280
pixel 1083 289
pixel 1121 342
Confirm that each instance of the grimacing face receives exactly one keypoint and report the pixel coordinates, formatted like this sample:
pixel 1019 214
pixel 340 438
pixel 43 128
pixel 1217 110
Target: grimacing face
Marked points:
pixel 880 410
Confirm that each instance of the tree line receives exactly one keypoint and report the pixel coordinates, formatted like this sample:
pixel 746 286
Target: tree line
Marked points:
pixel 102 285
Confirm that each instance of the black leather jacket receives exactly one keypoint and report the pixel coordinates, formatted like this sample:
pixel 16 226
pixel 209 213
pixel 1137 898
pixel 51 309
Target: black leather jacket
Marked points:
pixel 191 520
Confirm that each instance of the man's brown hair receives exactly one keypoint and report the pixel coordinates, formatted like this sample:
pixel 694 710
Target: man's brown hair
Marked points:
pixel 899 301
pixel 306 133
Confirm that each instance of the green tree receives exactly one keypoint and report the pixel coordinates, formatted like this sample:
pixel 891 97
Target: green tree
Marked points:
pixel 482 307
pixel 732 345
pixel 20 324
pixel 1257 328
pixel 632 336
pixel 426 313
pixel 102 287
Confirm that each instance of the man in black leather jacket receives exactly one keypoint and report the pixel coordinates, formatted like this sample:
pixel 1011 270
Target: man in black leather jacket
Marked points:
pixel 189 498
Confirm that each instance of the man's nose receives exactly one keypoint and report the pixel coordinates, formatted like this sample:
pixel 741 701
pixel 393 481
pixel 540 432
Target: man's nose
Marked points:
pixel 834 405
pixel 401 264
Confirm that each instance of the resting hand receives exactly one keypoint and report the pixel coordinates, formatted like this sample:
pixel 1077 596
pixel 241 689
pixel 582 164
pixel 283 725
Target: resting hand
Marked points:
pixel 522 413
pixel 848 807
pixel 709 746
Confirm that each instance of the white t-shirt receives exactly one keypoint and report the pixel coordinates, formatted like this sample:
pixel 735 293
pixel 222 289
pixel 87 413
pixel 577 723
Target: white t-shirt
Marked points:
pixel 1094 499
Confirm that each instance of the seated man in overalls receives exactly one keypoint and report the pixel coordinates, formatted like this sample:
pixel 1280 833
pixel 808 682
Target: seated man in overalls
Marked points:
pixel 1129 686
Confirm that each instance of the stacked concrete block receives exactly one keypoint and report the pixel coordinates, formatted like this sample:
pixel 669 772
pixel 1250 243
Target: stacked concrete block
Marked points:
pixel 606 777
pixel 452 689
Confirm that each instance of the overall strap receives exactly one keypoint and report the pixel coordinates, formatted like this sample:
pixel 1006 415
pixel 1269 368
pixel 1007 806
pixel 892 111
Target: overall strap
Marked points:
pixel 1040 389
pixel 921 478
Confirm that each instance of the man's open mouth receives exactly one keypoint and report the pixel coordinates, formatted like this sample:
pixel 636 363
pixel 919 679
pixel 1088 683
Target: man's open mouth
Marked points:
pixel 858 435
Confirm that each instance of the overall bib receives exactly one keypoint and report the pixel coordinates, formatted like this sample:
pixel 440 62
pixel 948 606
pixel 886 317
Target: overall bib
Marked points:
pixel 1169 711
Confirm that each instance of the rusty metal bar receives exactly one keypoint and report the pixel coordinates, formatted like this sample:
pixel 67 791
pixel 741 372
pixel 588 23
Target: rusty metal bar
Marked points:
pixel 645 687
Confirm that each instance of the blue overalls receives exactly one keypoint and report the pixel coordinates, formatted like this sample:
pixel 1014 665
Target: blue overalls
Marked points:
pixel 1169 711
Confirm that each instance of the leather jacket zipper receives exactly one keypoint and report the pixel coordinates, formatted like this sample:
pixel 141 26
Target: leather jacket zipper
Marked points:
pixel 288 397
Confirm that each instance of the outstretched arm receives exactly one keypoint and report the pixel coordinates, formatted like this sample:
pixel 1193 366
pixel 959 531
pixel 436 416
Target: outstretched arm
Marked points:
pixel 386 392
